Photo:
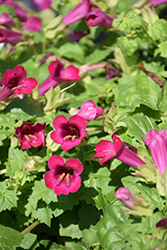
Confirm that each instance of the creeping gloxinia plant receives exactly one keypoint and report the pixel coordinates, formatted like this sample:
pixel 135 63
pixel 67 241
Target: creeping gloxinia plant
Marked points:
pixel 68 133
pixel 83 124
pixel 63 177
pixel 30 135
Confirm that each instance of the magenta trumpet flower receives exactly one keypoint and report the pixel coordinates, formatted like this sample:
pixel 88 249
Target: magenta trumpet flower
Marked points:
pixel 158 2
pixel 89 111
pixel 30 135
pixel 15 82
pixel 33 23
pixel 9 36
pixel 126 197
pixel 119 150
pixel 64 176
pixel 80 11
pixel 157 143
pixel 162 223
pixel 6 20
pixel 20 12
pixel 58 75
pixel 68 133
pixel 97 17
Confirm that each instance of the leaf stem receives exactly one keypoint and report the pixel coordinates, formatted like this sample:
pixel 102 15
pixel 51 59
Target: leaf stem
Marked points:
pixel 29 228
pixel 3 171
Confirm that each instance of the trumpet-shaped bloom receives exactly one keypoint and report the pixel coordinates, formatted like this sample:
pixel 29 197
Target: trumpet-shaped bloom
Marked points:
pixel 15 82
pixel 117 149
pixel 20 12
pixel 68 133
pixel 64 176
pixel 157 143
pixel 158 2
pixel 126 197
pixel 9 36
pixel 6 20
pixel 58 75
pixel 80 11
pixel 162 223
pixel 30 135
pixel 89 111
pixel 33 23
pixel 97 17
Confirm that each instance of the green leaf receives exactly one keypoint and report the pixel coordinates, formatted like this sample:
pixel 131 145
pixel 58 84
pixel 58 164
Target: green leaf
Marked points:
pixel 132 91
pixel 44 214
pixel 29 241
pixel 138 125
pixel 162 47
pixel 128 45
pixel 98 55
pixel 158 30
pixel 9 238
pixel 69 224
pixel 108 231
pixel 72 51
pixel 16 158
pixel 40 191
pixel 7 9
pixel 8 198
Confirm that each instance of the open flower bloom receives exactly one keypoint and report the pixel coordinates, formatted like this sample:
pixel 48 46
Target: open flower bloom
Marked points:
pixel 80 11
pixel 68 133
pixel 58 75
pixel 157 143
pixel 33 23
pixel 126 197
pixel 9 36
pixel 6 20
pixel 64 176
pixel 15 82
pixel 119 150
pixel 89 111
pixel 97 17
pixel 30 135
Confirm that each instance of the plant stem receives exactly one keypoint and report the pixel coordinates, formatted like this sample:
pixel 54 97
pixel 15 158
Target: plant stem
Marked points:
pixel 94 129
pixel 3 171
pixel 32 226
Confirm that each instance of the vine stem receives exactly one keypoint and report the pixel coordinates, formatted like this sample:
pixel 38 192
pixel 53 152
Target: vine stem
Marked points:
pixel 29 228
pixel 3 171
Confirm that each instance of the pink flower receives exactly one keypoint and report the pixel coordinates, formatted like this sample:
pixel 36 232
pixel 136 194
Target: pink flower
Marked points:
pixel 68 133
pixel 64 176
pixel 19 11
pixel 6 20
pixel 97 17
pixel 89 111
pixel 15 82
pixel 9 36
pixel 58 75
pixel 119 150
pixel 158 2
pixel 33 23
pixel 126 197
pixel 162 223
pixel 42 4
pixel 80 11
pixel 31 135
pixel 157 143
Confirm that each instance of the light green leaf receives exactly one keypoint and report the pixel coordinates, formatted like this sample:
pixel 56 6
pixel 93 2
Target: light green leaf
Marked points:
pixel 9 238
pixel 158 30
pixel 128 45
